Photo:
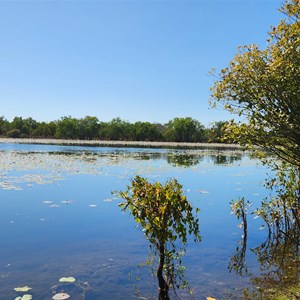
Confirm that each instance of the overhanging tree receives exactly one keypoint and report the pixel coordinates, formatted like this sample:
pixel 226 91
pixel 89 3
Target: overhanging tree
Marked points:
pixel 264 86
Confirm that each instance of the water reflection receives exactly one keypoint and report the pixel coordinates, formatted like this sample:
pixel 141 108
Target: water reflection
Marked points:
pixel 237 261
pixel 44 239
pixel 184 158
pixel 226 159
pixel 279 260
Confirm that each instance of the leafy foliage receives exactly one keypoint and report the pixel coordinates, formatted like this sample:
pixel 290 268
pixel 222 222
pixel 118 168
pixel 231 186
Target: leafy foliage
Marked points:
pixel 263 86
pixel 184 130
pixel 281 211
pixel 166 219
pixel 90 128
pixel 216 132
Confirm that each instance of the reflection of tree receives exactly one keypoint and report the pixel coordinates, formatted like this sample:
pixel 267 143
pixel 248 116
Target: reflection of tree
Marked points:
pixel 184 160
pixel 225 159
pixel 192 159
pixel 238 260
pixel 180 158
pixel 279 259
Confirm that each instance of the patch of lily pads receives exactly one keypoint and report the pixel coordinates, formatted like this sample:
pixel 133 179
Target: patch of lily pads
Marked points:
pixel 57 296
pixel 22 289
pixel 49 167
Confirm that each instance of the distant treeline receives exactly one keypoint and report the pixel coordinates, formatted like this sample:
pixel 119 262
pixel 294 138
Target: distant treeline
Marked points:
pixel 90 128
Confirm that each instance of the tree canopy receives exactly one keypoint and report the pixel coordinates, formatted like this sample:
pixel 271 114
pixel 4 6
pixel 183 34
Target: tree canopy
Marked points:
pixel 185 130
pixel 91 128
pixel 263 85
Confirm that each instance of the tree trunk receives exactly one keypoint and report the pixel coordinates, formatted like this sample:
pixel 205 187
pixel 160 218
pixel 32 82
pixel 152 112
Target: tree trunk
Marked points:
pixel 163 286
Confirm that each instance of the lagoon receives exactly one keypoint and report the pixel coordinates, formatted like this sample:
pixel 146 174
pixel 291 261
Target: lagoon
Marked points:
pixel 59 218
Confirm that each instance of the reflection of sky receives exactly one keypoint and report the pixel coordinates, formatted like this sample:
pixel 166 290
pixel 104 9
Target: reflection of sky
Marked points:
pixel 75 224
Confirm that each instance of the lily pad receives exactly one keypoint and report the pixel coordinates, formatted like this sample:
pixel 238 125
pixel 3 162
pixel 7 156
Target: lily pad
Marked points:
pixel 22 289
pixel 61 296
pixel 24 297
pixel 67 279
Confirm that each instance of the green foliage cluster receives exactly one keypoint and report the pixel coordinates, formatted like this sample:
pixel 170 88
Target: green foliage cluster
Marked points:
pixel 262 85
pixel 166 219
pixel 90 128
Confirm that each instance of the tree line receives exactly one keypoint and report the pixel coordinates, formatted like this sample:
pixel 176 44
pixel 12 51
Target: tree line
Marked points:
pixel 90 128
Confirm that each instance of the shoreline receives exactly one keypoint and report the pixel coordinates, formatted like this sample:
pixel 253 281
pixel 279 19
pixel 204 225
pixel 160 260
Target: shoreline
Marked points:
pixel 133 144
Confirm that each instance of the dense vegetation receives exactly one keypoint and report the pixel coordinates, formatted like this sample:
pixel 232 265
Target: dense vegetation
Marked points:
pixel 262 85
pixel 90 128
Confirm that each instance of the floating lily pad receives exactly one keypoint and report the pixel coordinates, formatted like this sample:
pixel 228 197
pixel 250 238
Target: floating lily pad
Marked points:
pixel 24 297
pixel 22 289
pixel 61 296
pixel 67 279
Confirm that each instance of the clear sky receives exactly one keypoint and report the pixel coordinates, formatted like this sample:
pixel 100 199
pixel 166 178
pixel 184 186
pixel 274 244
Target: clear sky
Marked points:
pixel 138 60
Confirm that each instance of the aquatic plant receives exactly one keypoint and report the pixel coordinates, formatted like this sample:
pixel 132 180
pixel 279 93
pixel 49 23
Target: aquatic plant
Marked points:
pixel 166 218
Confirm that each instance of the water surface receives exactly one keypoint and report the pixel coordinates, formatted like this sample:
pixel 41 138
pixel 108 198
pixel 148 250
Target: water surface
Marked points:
pixel 60 218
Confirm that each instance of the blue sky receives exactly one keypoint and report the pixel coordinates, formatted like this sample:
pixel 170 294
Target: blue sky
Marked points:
pixel 137 60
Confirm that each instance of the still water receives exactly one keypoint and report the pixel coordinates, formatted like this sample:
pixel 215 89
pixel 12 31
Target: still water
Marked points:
pixel 59 218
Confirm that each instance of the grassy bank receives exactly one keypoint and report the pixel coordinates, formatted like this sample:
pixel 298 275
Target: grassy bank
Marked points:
pixel 98 143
